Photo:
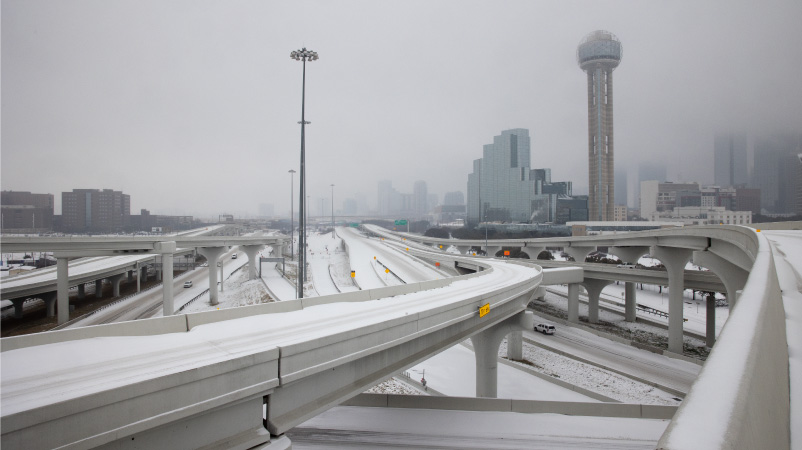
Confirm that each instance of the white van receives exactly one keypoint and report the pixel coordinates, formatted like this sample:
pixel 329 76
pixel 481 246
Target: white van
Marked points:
pixel 545 328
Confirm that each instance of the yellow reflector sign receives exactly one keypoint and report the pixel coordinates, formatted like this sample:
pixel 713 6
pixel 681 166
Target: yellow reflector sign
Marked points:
pixel 353 274
pixel 386 270
pixel 484 310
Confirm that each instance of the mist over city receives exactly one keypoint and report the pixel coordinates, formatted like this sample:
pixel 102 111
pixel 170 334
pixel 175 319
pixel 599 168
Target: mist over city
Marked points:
pixel 192 108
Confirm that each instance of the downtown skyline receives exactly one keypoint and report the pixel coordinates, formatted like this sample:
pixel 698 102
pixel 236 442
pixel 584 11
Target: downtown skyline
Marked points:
pixel 91 100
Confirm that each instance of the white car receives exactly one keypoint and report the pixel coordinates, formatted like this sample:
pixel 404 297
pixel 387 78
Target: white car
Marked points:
pixel 234 256
pixel 187 284
pixel 626 266
pixel 545 328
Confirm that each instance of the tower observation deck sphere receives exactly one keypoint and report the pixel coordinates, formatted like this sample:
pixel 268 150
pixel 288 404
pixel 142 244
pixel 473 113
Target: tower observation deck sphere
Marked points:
pixel 599 47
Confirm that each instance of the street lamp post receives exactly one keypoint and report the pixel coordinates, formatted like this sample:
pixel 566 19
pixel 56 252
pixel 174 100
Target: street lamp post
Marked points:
pixel 302 55
pixel 292 213
pixel 333 236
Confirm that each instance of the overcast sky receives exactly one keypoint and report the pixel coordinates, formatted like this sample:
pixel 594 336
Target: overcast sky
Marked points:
pixel 191 107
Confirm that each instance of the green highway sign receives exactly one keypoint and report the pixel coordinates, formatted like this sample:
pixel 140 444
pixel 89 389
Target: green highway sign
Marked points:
pixel 401 222
pixel 353 225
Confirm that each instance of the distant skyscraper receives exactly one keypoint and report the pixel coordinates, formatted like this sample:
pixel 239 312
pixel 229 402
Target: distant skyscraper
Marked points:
pixel 776 173
pixel 599 54
pixel 385 197
pixel 621 186
pixel 420 202
pixel 454 198
pixel 729 160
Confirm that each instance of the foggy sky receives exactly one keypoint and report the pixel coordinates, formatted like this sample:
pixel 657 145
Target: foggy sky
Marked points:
pixel 191 107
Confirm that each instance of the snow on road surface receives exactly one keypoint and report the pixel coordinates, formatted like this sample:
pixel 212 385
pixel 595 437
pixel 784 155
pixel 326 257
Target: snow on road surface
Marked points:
pixel 281 287
pixel 670 372
pixel 788 260
pixel 328 263
pixel 357 427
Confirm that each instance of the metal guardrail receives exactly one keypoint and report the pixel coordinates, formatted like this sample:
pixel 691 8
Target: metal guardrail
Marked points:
pixel 390 271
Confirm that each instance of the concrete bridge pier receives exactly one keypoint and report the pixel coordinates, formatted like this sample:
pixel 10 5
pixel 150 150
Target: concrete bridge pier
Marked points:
pixel 212 255
pixel 463 249
pixel 533 252
pixel 579 253
pixel 252 251
pixel 62 288
pixel 734 279
pixel 492 250
pixel 144 272
pixel 50 303
pixel 629 255
pixel 630 303
pixel 115 284
pixel 130 276
pixel 81 290
pixel 167 248
pixel 594 288
pixel 278 250
pixel 674 259
pixel 485 347
pixel 99 288
pixel 18 302
pixel 573 302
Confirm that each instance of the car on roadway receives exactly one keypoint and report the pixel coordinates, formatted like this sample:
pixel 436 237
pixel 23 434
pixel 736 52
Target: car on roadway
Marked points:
pixel 187 284
pixel 545 328
pixel 626 266
pixel 234 256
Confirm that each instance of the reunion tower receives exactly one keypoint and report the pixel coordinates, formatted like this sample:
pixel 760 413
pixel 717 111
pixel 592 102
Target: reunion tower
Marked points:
pixel 599 54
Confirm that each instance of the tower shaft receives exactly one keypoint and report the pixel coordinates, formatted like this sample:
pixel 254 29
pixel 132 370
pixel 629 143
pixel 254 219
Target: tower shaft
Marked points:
pixel 601 171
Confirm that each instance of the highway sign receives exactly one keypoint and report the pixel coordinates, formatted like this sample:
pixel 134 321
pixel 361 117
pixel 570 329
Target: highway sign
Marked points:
pixel 400 222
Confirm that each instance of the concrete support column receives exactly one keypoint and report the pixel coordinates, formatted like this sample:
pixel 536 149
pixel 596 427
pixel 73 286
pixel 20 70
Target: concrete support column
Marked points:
pixel 675 260
pixel 50 303
pixel 492 250
pixel 629 255
pixel 115 284
pixel 573 303
pixel 130 276
pixel 463 249
pixel 579 253
pixel 485 347
pixel 99 288
pixel 629 301
pixel 252 252
pixel 515 345
pixel 18 302
pixel 81 290
pixel 594 288
pixel 710 329
pixel 278 250
pixel 733 277
pixel 166 249
pixel 212 255
pixel 63 289
pixel 138 278
pixel 532 252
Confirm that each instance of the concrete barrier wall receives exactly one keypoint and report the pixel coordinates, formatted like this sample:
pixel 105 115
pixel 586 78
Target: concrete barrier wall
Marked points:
pixel 509 405
pixel 741 399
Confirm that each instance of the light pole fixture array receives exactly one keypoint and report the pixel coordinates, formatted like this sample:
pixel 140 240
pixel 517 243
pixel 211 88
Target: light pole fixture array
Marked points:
pixel 302 55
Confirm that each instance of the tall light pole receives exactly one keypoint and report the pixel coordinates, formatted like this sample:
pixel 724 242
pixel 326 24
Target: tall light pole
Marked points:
pixel 302 55
pixel 292 213
pixel 333 236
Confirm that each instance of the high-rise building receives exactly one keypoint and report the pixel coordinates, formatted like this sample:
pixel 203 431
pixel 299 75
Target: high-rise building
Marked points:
pixel 26 212
pixel 503 188
pixel 621 186
pixel 729 160
pixel 94 210
pixel 775 172
pixel 454 198
pixel 599 54
pixel 420 203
